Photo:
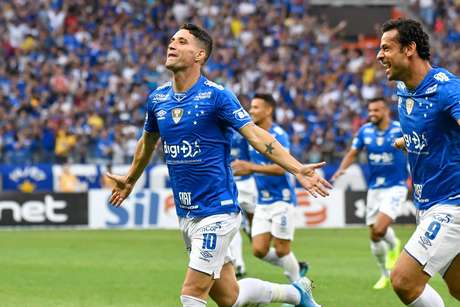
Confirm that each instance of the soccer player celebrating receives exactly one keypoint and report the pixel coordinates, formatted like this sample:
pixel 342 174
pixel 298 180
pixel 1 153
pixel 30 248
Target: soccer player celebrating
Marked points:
pixel 387 185
pixel 274 215
pixel 429 112
pixel 194 116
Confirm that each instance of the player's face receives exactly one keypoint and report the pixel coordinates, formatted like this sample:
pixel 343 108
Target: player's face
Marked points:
pixel 259 110
pixel 377 112
pixel 183 51
pixel 392 56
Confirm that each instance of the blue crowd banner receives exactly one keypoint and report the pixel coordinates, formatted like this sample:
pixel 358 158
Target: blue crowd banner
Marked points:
pixel 27 178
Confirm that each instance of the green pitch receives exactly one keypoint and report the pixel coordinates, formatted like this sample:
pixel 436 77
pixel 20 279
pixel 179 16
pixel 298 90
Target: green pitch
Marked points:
pixel 146 268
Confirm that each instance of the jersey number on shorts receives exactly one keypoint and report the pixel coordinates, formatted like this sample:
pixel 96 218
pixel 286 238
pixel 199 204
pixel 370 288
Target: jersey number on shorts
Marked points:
pixel 433 230
pixel 209 241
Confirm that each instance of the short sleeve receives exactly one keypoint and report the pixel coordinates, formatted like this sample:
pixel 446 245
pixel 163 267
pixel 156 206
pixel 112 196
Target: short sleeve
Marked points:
pixel 150 122
pixel 230 110
pixel 451 102
pixel 358 142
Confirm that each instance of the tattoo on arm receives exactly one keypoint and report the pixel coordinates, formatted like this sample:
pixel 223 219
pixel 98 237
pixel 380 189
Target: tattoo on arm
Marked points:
pixel 269 148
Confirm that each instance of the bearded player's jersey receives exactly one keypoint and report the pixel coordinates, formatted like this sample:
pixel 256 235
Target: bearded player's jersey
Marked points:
pixel 428 117
pixel 387 164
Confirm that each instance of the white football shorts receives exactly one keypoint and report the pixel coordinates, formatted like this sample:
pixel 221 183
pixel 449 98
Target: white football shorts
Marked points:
pixel 436 241
pixel 277 218
pixel 207 240
pixel 247 194
pixel 385 200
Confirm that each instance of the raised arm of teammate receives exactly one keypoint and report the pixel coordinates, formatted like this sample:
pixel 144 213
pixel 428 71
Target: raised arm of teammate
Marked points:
pixel 346 162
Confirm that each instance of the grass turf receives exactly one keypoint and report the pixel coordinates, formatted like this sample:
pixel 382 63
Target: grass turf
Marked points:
pixel 145 268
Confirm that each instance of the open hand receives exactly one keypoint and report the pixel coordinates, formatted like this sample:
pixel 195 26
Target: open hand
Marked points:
pixel 121 189
pixel 311 181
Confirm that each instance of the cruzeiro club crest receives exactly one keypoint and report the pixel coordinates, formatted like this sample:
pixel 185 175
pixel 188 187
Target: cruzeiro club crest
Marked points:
pixel 177 114
pixel 409 105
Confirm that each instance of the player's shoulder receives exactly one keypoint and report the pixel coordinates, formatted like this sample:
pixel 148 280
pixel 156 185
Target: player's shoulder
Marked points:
pixel 395 126
pixel 160 94
pixel 367 128
pixel 445 83
pixel 442 78
pixel 213 85
pixel 278 130
pixel 218 90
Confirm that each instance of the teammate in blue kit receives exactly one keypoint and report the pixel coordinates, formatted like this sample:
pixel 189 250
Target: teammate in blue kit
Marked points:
pixel 194 118
pixel 274 215
pixel 387 184
pixel 247 197
pixel 429 112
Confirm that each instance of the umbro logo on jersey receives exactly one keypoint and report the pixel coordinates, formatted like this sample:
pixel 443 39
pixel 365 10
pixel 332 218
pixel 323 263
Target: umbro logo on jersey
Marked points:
pixel 409 105
pixel 177 114
pixel 161 114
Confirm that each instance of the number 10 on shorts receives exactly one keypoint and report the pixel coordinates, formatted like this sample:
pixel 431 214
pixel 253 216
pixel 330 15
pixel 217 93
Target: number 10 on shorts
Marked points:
pixel 209 241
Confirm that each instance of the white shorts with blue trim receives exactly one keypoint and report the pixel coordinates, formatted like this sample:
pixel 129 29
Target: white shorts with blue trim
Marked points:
pixel 207 240
pixel 277 218
pixel 247 194
pixel 386 200
pixel 436 241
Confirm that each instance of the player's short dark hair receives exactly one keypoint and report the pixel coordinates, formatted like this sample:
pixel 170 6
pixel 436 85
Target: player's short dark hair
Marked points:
pixel 377 99
pixel 409 31
pixel 269 100
pixel 201 35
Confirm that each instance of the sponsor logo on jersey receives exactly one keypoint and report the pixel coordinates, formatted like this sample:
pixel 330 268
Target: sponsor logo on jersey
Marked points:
pixel 381 158
pixel 431 89
pixel 185 149
pixel 158 97
pixel 416 141
pixel 409 105
pixel 177 114
pixel 241 114
pixel 441 77
pixel 203 95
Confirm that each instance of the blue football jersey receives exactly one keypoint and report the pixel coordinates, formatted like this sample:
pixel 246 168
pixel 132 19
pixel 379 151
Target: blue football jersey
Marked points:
pixel 428 117
pixel 273 188
pixel 387 165
pixel 196 131
pixel 239 151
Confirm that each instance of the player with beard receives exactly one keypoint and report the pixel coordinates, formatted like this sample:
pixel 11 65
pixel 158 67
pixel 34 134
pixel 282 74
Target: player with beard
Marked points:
pixel 387 184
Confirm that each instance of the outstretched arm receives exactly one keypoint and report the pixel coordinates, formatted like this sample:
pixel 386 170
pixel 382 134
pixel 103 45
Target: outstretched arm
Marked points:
pixel 346 162
pixel 266 144
pixel 124 184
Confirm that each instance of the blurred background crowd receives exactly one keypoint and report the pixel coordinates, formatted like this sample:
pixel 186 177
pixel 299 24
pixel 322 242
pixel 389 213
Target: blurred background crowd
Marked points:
pixel 74 75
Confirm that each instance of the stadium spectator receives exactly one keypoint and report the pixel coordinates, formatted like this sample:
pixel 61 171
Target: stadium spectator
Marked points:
pixel 68 182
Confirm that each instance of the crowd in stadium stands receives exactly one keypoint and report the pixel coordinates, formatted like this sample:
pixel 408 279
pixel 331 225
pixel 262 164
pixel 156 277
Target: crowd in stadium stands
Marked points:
pixel 74 74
